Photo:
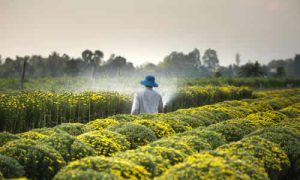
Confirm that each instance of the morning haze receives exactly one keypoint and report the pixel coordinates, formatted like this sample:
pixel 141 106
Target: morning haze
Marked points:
pixel 143 30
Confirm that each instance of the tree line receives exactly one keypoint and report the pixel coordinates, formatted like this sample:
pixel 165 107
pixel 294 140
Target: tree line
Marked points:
pixel 192 64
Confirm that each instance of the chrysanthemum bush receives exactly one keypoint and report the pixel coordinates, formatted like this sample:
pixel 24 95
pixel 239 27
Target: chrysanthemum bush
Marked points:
pixel 73 129
pixel 33 135
pixel 233 130
pixel 266 154
pixel 292 111
pixel 213 138
pixel 210 165
pixel 78 174
pixel 100 124
pixel 10 167
pixel 39 161
pixel 155 165
pixel 160 128
pixel 68 146
pixel 6 137
pixel 136 134
pixel 288 140
pixel 175 144
pixel 105 142
pixel 262 119
pixel 119 168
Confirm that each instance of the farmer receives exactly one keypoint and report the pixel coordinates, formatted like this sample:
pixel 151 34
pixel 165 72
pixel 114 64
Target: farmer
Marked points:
pixel 147 101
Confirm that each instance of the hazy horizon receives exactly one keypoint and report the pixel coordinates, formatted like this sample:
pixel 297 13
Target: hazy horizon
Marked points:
pixel 147 31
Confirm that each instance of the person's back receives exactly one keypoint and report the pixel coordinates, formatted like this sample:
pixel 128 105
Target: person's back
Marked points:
pixel 147 101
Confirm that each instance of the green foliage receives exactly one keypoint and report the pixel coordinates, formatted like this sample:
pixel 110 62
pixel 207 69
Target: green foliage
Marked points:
pixel 124 117
pixel 73 129
pixel 209 166
pixel 160 128
pixel 121 169
pixel 137 135
pixel 175 144
pixel 32 135
pixel 292 111
pixel 68 146
pixel 192 121
pixel 155 165
pixel 170 155
pixel 286 139
pixel 39 161
pixel 262 119
pixel 100 124
pixel 213 138
pixel 10 168
pixel 177 125
pixel 266 154
pixel 105 142
pixel 77 174
pixel 6 137
pixel 233 130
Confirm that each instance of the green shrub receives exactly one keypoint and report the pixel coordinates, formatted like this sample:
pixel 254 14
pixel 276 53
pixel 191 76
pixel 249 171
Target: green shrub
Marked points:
pixel 205 166
pixel 293 124
pixel 124 117
pixel 211 137
pixel 45 131
pixel 194 142
pixel 266 154
pixel 68 146
pixel 105 142
pixel 201 120
pixel 121 169
pixel 155 165
pixel 10 168
pixel 73 129
pixel 177 125
pixel 233 130
pixel 160 128
pixel 137 135
pixel 175 144
pixel 100 124
pixel 263 119
pixel 6 137
pixel 32 135
pixel 192 121
pixel 286 139
pixel 292 111
pixel 170 155
pixel 77 174
pixel 150 116
pixel 39 161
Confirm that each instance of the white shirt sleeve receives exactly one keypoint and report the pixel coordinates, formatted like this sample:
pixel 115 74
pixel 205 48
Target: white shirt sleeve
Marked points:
pixel 135 105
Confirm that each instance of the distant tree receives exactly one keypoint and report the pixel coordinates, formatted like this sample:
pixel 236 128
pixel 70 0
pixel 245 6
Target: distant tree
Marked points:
pixel 180 64
pixel 210 60
pixel 252 70
pixel 93 59
pixel 280 71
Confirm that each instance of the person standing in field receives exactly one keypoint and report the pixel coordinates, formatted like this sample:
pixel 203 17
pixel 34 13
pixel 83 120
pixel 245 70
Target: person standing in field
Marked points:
pixel 147 101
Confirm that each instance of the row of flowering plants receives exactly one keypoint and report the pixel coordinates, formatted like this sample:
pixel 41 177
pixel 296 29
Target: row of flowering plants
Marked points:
pixel 232 139
pixel 22 111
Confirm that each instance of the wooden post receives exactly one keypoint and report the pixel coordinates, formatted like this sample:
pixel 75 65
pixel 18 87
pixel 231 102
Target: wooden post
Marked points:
pixel 23 73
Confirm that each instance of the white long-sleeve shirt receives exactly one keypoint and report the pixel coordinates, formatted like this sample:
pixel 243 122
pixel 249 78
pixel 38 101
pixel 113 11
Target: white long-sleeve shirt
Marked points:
pixel 147 101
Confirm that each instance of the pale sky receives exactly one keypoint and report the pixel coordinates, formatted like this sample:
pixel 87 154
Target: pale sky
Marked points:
pixel 148 30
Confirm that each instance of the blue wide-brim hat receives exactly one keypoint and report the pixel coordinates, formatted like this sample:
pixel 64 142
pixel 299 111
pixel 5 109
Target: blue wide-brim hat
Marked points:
pixel 149 81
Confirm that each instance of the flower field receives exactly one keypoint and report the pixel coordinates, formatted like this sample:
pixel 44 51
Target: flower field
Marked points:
pixel 23 111
pixel 239 139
